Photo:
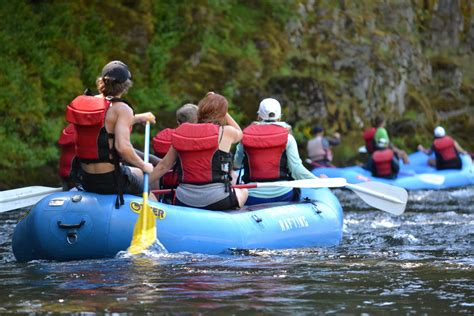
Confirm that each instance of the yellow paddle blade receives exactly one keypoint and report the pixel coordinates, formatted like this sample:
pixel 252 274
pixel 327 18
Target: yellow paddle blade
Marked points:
pixel 144 233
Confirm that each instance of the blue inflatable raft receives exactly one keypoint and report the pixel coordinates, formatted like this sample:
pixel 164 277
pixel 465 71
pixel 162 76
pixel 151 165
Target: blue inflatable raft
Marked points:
pixel 77 225
pixel 417 175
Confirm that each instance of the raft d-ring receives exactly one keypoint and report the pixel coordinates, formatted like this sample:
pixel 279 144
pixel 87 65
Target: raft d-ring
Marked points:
pixel 71 238
pixel 256 218
pixel 316 208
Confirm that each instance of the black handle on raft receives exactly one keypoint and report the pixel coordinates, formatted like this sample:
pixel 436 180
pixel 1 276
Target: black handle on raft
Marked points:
pixel 256 218
pixel 61 225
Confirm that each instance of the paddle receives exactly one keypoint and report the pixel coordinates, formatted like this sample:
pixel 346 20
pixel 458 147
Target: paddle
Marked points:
pixel 144 232
pixel 425 177
pixel 23 197
pixel 307 183
pixel 385 197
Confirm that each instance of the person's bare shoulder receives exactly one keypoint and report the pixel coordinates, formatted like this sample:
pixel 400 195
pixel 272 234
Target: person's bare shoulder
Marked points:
pixel 120 112
pixel 121 106
pixel 120 109
pixel 232 133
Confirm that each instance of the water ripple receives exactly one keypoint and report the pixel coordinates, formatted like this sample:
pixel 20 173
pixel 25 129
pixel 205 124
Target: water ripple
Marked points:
pixel 421 262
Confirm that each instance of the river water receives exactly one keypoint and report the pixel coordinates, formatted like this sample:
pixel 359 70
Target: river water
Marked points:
pixel 419 263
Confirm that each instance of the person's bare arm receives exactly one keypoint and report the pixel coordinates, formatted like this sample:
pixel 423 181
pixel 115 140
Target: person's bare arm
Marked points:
pixel 152 158
pixel 459 148
pixel 164 165
pixel 427 151
pixel 144 117
pixel 236 132
pixel 125 149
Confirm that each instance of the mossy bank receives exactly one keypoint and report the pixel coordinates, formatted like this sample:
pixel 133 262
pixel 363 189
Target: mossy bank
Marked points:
pixel 335 63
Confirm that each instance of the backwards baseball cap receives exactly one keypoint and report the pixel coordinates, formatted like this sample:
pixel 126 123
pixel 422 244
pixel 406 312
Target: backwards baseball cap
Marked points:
pixel 116 70
pixel 439 131
pixel 382 143
pixel 269 109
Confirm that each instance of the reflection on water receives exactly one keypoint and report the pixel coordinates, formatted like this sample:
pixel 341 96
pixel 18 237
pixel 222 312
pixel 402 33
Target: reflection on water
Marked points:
pixel 421 262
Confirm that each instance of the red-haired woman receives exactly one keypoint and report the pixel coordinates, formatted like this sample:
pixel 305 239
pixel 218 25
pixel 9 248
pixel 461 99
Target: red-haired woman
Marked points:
pixel 205 159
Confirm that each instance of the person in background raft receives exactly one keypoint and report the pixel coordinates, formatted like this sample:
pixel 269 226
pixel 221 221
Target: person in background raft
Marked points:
pixel 205 159
pixel 319 148
pixel 384 162
pixel 103 125
pixel 446 151
pixel 373 135
pixel 268 152
pixel 162 142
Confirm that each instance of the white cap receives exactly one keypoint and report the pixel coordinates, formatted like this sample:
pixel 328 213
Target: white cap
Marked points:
pixel 382 143
pixel 439 131
pixel 269 109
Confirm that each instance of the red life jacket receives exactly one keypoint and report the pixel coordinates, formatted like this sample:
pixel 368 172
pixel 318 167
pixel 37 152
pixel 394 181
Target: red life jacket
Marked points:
pixel 265 153
pixel 68 151
pixel 162 142
pixel 445 149
pixel 161 145
pixel 369 135
pixel 201 161
pixel 383 162
pixel 87 113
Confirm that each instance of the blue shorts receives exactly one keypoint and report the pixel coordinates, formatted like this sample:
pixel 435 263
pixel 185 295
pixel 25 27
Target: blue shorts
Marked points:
pixel 228 203
pixel 293 195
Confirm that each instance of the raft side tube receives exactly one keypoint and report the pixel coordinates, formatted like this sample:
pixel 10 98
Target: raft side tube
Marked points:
pixel 81 225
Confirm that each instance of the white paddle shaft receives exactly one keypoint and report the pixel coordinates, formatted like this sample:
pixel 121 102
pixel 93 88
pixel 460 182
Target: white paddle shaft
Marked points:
pixel 23 197
pixel 373 193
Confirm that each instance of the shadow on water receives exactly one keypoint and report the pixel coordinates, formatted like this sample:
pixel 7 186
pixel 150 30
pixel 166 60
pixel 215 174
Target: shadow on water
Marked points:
pixel 420 262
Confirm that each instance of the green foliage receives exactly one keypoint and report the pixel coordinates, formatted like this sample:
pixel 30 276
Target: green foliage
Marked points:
pixel 178 50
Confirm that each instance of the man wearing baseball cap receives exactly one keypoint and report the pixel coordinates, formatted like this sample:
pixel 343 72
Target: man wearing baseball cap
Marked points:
pixel 268 152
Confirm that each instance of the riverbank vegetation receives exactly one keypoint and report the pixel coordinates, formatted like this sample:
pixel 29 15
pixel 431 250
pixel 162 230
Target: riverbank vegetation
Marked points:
pixel 335 63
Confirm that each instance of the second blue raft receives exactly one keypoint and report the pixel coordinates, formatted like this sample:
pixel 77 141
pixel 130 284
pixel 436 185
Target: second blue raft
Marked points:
pixel 417 175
